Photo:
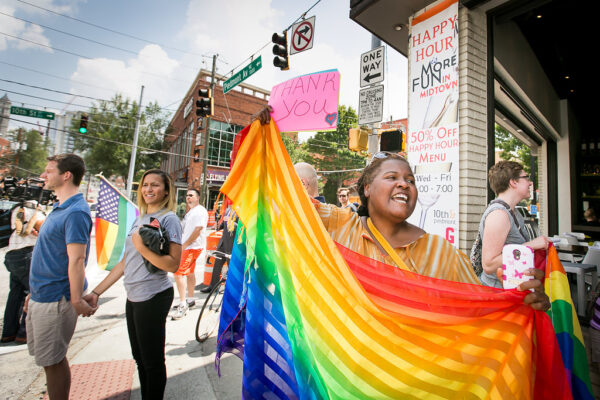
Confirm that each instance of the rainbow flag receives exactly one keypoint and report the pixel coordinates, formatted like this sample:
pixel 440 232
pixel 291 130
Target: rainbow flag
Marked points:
pixel 566 325
pixel 313 320
pixel 114 219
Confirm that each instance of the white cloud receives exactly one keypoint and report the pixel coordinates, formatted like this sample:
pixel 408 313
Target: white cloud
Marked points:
pixel 152 68
pixel 19 29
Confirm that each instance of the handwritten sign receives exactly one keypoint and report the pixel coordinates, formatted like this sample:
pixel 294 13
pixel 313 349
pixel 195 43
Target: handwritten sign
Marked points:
pixel 307 102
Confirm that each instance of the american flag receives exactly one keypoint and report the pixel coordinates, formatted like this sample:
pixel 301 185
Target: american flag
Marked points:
pixel 108 203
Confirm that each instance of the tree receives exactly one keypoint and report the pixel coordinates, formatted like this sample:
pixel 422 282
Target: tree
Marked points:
pixel 513 149
pixel 297 151
pixel 30 157
pixel 328 151
pixel 111 125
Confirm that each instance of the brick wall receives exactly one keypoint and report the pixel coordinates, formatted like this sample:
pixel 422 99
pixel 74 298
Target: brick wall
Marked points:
pixel 472 123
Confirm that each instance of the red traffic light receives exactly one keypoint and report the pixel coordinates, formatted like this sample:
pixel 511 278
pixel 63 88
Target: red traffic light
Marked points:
pixel 205 104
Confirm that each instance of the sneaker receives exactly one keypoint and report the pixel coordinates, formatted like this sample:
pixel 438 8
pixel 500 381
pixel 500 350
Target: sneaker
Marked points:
pixel 182 309
pixel 190 303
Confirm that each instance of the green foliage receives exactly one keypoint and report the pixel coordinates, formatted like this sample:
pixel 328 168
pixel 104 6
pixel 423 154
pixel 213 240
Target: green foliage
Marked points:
pixel 328 151
pixel 297 151
pixel 114 121
pixel 512 149
pixel 30 158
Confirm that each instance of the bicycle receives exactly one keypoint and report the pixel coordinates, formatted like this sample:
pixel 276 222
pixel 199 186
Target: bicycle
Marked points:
pixel 208 320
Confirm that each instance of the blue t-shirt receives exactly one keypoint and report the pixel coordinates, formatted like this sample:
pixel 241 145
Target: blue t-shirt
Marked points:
pixel 69 222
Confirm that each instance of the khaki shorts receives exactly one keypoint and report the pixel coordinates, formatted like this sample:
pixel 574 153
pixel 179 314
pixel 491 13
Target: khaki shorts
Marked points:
pixel 50 327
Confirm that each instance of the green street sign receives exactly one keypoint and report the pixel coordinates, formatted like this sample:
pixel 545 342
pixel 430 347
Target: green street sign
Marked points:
pixel 242 75
pixel 28 112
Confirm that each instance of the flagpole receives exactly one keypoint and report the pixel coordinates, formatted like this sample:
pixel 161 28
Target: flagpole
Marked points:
pixel 134 148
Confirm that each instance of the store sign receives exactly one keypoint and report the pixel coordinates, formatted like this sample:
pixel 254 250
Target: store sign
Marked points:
pixel 432 139
pixel 216 177
pixel 188 107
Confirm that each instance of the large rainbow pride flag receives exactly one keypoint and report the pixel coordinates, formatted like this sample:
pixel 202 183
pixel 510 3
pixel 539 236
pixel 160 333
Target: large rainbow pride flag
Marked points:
pixel 114 219
pixel 313 320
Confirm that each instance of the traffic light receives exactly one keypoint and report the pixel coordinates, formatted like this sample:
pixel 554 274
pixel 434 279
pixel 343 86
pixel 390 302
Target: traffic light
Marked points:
pixel 391 140
pixel 280 51
pixel 205 104
pixel 83 123
pixel 358 139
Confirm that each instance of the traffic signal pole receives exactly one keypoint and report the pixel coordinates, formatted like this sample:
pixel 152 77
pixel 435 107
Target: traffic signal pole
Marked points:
pixel 136 132
pixel 204 191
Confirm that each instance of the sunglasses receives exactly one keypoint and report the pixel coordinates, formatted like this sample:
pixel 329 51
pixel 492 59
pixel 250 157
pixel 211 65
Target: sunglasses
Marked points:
pixel 523 177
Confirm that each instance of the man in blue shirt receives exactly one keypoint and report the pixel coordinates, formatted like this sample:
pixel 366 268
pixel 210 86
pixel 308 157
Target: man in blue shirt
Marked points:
pixel 57 276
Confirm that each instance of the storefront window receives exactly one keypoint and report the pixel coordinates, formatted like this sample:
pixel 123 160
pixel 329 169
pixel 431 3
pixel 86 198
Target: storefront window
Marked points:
pixel 220 145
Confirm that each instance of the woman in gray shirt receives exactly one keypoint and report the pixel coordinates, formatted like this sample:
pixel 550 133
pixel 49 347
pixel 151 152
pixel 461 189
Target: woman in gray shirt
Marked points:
pixel 500 224
pixel 149 292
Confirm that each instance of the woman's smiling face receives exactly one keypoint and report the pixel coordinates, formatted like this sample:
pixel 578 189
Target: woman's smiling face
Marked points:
pixel 153 189
pixel 393 193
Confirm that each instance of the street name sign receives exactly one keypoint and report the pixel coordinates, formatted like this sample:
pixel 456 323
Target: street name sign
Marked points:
pixel 303 34
pixel 29 112
pixel 370 105
pixel 371 66
pixel 242 75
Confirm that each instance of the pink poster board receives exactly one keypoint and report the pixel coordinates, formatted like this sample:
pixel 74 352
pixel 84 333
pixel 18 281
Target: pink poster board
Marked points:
pixel 307 102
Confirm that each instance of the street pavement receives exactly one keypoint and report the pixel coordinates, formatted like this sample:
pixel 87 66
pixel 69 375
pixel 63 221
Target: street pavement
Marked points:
pixel 103 337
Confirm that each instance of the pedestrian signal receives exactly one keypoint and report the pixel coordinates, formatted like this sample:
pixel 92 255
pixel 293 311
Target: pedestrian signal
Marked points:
pixel 280 51
pixel 392 141
pixel 358 139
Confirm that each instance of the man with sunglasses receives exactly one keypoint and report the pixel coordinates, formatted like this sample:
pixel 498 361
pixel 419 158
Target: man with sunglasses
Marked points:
pixel 343 195
pixel 194 241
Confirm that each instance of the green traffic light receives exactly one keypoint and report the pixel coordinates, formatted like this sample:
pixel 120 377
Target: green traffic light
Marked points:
pixel 82 130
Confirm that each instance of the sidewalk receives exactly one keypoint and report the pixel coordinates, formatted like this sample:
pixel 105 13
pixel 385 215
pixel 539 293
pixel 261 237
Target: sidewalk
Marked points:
pixel 101 341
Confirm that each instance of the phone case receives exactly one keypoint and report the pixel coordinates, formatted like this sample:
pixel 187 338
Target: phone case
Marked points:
pixel 516 260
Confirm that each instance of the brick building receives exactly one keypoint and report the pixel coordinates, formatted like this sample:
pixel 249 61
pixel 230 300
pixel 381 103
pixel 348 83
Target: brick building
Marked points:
pixel 185 135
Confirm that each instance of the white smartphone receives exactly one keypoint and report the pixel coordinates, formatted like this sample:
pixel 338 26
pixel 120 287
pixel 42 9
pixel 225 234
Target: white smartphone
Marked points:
pixel 516 260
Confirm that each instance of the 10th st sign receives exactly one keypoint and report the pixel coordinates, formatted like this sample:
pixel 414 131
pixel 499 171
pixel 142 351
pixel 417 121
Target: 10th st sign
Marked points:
pixel 29 112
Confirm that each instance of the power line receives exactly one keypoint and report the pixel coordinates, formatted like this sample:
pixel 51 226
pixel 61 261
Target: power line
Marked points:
pixel 82 56
pixel 88 39
pixel 112 30
pixel 74 134
pixel 251 57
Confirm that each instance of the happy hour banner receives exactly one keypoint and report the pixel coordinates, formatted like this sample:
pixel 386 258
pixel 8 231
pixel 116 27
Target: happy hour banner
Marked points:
pixel 307 102
pixel 433 142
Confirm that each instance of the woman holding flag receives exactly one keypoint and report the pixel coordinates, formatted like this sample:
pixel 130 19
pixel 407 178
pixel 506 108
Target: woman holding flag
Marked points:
pixel 149 291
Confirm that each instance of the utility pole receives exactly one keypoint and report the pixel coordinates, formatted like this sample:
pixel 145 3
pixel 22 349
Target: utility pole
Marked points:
pixel 373 146
pixel 204 194
pixel 134 148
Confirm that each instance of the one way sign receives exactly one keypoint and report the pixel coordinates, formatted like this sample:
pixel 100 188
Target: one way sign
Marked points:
pixel 371 66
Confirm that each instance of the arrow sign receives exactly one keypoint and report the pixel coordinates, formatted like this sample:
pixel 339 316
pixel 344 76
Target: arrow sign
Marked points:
pixel 372 66
pixel 303 34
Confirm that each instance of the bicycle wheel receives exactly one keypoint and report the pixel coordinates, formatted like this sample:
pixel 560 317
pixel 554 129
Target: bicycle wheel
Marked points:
pixel 208 320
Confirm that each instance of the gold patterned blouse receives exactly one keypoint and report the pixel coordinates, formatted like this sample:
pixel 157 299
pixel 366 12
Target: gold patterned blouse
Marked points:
pixel 429 255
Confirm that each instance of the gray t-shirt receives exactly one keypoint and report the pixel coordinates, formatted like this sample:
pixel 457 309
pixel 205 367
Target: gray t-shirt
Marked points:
pixel 140 284
pixel 514 237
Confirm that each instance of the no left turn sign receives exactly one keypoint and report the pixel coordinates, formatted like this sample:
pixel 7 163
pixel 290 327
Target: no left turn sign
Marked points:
pixel 303 34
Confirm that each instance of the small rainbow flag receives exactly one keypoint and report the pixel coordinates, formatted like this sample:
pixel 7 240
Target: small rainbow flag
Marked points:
pixel 313 320
pixel 566 325
pixel 114 219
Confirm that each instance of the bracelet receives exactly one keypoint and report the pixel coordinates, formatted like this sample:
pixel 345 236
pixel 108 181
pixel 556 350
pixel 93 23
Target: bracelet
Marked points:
pixel 93 292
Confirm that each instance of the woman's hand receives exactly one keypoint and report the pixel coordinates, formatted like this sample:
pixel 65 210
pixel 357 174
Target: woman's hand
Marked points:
pixel 137 242
pixel 264 115
pixel 538 300
pixel 540 242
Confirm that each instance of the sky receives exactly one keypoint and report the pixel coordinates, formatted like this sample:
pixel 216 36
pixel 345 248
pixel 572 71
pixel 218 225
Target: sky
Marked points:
pixel 112 46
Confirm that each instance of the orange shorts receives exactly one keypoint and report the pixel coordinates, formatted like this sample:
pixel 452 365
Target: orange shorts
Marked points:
pixel 188 261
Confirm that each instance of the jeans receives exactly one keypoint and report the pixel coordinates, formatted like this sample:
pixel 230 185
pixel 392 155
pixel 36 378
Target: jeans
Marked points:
pixel 146 327
pixel 17 263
